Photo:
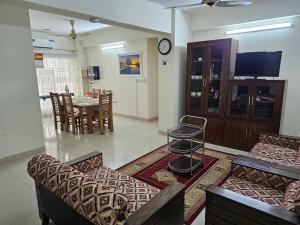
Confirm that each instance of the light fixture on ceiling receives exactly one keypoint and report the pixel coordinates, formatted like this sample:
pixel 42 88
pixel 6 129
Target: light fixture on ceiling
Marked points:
pixel 259 28
pixel 114 45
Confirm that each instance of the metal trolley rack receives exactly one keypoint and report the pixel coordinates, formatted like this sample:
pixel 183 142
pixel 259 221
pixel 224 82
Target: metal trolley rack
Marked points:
pixel 188 138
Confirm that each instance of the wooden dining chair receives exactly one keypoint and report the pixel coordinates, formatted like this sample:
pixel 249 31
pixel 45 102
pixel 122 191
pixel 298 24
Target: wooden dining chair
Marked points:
pixel 105 112
pixel 72 117
pixel 58 111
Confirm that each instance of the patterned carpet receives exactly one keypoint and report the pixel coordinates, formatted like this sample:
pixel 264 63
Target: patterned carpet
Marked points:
pixel 152 169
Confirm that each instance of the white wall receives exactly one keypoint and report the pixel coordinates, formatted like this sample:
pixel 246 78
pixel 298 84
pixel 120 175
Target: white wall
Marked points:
pixel 140 14
pixel 286 40
pixel 172 75
pixel 20 116
pixel 133 97
pixel 152 77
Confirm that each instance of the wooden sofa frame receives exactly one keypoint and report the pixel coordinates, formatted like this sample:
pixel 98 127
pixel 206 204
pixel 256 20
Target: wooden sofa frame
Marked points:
pixel 224 207
pixel 166 208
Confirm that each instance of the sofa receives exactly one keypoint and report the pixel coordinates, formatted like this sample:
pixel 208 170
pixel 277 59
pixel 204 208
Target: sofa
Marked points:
pixel 256 193
pixel 84 192
pixel 280 149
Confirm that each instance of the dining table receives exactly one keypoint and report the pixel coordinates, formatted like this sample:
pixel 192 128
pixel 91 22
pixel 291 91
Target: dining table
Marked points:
pixel 86 105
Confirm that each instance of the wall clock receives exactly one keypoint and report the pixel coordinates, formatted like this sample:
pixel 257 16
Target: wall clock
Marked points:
pixel 164 46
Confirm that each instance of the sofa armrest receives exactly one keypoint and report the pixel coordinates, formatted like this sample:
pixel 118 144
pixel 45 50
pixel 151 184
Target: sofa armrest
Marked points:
pixel 280 140
pixel 271 175
pixel 87 162
pixel 167 207
pixel 230 208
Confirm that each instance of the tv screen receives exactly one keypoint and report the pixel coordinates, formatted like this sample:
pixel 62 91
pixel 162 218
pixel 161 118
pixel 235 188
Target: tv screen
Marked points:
pixel 258 64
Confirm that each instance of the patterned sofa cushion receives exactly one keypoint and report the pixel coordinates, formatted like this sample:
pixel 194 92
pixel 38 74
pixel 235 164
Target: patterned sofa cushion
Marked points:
pixel 274 153
pixel 256 191
pixel 280 141
pixel 291 195
pixel 268 180
pixel 90 164
pixel 96 202
pixel 49 172
pixel 137 192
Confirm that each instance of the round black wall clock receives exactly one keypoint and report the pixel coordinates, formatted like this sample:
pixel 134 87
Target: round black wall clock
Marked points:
pixel 164 46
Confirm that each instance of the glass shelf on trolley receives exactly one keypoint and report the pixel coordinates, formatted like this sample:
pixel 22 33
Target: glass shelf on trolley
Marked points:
pixel 185 131
pixel 184 165
pixel 185 146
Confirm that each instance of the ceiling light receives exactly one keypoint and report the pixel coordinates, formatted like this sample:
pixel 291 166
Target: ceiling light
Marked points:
pixel 260 28
pixel 114 45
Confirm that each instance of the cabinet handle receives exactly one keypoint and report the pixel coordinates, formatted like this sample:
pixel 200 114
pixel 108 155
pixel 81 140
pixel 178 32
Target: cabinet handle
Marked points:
pixel 249 101
pixel 252 101
pixel 205 82
pixel 247 134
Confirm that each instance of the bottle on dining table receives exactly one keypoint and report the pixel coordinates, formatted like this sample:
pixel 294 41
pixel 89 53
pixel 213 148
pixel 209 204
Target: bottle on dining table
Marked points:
pixel 67 89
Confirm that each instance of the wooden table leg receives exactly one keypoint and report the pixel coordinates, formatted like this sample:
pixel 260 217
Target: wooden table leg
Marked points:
pixel 81 120
pixel 90 120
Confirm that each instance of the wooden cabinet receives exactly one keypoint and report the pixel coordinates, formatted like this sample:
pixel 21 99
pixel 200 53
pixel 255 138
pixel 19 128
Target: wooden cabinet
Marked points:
pixel 254 107
pixel 208 69
pixel 244 135
pixel 209 66
pixel 237 110
pixel 235 134
pixel 256 100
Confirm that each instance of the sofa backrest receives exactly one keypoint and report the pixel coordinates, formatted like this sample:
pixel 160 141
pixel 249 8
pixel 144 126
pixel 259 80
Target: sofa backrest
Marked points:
pixel 279 140
pixel 100 204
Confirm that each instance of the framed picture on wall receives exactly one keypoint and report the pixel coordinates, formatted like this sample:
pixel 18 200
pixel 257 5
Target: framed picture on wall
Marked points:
pixel 130 64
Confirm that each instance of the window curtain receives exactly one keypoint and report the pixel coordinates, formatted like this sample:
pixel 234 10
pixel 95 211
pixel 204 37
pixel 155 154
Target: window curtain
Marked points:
pixel 59 70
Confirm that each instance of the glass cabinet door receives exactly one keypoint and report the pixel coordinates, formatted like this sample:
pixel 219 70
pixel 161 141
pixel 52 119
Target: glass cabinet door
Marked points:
pixel 196 80
pixel 215 79
pixel 263 102
pixel 240 101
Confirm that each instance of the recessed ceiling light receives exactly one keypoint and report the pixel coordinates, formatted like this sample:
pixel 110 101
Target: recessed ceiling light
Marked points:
pixel 47 29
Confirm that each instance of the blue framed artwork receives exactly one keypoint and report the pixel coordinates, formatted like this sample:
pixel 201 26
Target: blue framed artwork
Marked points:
pixel 130 64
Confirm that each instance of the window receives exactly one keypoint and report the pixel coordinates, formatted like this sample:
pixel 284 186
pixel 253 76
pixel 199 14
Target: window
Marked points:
pixel 59 70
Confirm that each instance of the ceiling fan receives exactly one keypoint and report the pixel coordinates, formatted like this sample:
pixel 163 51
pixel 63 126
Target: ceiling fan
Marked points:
pixel 187 3
pixel 72 34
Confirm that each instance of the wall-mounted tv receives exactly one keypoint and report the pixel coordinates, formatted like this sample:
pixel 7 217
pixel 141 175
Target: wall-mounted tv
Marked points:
pixel 258 64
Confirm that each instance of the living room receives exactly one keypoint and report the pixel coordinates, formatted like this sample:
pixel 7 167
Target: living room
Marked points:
pixel 172 39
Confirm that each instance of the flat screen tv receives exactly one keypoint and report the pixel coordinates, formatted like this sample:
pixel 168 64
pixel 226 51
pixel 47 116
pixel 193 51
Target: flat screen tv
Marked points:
pixel 258 64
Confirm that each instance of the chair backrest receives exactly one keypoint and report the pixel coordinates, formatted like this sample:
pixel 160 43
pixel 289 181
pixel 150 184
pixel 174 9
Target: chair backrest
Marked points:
pixel 104 91
pixel 56 104
pixel 96 93
pixel 68 104
pixel 105 104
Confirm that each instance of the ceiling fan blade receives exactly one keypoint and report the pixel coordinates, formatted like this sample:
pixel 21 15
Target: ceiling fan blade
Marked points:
pixel 233 3
pixel 84 34
pixel 183 6
pixel 58 35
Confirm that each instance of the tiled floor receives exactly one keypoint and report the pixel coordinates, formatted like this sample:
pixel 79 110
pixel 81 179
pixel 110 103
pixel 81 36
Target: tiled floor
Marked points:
pixel 130 140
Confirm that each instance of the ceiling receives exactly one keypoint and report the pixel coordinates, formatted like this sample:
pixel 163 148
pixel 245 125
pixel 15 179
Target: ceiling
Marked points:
pixel 40 21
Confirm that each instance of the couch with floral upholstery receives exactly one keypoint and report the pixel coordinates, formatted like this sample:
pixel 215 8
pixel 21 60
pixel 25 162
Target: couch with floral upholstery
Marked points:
pixel 256 193
pixel 281 149
pixel 83 191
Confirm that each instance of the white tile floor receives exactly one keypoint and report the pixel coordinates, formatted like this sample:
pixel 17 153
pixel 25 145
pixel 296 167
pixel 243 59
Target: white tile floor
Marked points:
pixel 130 140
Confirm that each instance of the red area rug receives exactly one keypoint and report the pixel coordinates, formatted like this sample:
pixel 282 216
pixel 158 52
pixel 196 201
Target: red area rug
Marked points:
pixel 152 169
